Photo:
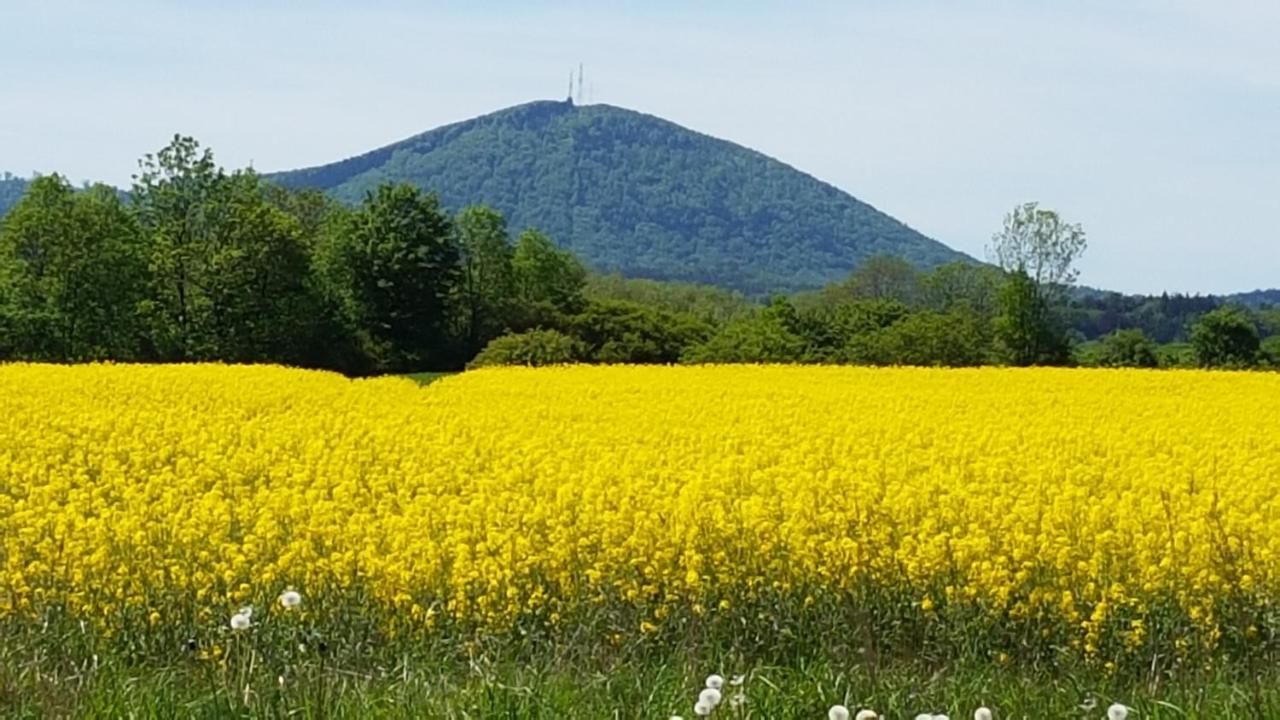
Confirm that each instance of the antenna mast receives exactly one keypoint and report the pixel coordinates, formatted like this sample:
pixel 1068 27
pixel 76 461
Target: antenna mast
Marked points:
pixel 579 83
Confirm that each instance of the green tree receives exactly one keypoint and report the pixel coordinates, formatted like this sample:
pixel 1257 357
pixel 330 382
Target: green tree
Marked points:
pixel 1038 242
pixel 71 275
pixel 962 284
pixel 488 278
pixel 395 264
pixel 952 339
pixel 1225 338
pixel 708 303
pixel 533 348
pixel 229 272
pixel 1037 250
pixel 623 332
pixel 1026 331
pixel 1128 348
pixel 831 332
pixel 547 274
pixel 1269 351
pixel 771 335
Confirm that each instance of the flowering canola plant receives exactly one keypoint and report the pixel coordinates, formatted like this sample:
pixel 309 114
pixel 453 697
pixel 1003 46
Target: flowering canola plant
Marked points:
pixel 1083 498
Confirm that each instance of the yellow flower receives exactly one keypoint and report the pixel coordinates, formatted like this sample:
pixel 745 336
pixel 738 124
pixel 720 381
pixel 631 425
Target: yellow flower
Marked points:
pixel 1070 499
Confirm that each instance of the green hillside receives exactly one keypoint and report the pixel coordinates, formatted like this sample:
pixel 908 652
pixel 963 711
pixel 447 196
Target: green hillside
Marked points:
pixel 636 194
pixel 11 191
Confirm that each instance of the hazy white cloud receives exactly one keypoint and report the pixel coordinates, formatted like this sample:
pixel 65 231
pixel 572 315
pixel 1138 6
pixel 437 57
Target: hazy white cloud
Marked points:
pixel 1153 123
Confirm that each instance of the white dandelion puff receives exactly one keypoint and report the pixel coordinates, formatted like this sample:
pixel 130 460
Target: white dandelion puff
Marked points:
pixel 241 621
pixel 867 715
pixel 710 696
pixel 702 709
pixel 715 682
pixel 982 713
pixel 1117 712
pixel 290 599
pixel 838 712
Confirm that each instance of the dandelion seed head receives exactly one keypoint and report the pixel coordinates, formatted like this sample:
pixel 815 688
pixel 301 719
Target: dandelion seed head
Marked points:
pixel 240 621
pixel 982 713
pixel 838 712
pixel 1117 712
pixel 867 715
pixel 290 599
pixel 715 682
pixel 710 696
pixel 702 709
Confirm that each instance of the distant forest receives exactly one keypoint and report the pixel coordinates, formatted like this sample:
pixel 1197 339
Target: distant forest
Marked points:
pixel 196 263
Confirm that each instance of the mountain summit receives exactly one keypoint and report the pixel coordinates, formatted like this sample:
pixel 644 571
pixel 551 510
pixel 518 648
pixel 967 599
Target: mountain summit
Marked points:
pixel 637 194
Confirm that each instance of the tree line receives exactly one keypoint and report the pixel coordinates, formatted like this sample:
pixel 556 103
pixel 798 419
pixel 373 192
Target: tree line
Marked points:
pixel 195 263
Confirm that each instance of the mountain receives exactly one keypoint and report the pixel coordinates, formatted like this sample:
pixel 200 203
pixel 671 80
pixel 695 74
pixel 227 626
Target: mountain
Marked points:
pixel 1257 298
pixel 11 191
pixel 639 195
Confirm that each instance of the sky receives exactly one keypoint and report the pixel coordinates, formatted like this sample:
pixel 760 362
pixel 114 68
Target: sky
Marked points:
pixel 1154 124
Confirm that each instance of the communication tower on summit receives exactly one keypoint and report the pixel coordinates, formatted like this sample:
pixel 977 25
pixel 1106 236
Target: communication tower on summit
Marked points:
pixel 579 83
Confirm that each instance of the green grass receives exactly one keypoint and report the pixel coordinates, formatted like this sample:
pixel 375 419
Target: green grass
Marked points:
pixel 290 666
pixel 429 688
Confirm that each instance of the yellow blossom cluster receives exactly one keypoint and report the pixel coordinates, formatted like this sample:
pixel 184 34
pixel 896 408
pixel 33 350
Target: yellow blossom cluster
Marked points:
pixel 502 494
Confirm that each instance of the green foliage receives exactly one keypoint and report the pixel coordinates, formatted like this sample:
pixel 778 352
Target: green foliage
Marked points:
pixel 708 303
pixel 635 194
pixel 772 335
pixel 1225 338
pixel 1038 242
pixel 958 338
pixel 1269 352
pixel 881 277
pixel 1127 348
pixel 544 273
pixel 230 273
pixel 70 275
pixel 533 348
pixel 1026 331
pixel 961 284
pixel 622 332
pixel 488 282
pixel 395 263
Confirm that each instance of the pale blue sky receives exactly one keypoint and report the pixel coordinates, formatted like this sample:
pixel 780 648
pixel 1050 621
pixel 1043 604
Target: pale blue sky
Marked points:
pixel 1154 124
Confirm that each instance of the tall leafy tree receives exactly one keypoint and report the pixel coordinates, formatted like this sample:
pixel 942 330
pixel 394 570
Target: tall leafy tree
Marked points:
pixel 229 271
pixel 1225 338
pixel 1128 348
pixel 1025 329
pixel 772 335
pixel 488 277
pixel 1038 242
pixel 961 284
pixel 1038 250
pixel 395 262
pixel 546 274
pixel 70 275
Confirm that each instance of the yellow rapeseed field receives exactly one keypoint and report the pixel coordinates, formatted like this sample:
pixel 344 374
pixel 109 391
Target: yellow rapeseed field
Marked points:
pixel 496 496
